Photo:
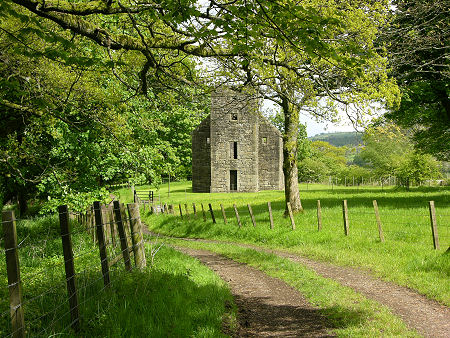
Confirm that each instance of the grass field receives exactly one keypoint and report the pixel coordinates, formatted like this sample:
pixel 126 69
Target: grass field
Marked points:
pixel 177 296
pixel 406 257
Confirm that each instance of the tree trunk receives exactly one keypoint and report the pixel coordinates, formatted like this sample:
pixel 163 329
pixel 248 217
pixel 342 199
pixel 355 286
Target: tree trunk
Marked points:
pixel 290 170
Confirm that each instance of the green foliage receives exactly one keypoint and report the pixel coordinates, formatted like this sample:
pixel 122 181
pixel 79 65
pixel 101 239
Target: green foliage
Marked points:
pixel 418 53
pixel 69 127
pixel 324 160
pixel 390 153
pixel 422 111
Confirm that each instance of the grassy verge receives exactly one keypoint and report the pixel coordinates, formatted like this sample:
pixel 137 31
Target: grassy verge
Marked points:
pixel 405 217
pixel 177 296
pixel 351 314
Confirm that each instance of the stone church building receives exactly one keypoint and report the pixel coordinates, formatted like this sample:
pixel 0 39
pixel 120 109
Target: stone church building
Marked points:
pixel 235 148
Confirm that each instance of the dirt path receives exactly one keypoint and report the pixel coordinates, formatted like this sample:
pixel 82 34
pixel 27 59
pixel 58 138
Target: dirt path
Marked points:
pixel 428 317
pixel 267 307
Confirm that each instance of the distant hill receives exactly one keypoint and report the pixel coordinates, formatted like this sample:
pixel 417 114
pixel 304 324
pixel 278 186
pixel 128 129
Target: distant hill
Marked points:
pixel 339 139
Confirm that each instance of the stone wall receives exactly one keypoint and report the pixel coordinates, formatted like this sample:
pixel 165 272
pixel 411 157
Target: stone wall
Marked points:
pixel 225 106
pixel 270 157
pixel 201 157
pixel 235 118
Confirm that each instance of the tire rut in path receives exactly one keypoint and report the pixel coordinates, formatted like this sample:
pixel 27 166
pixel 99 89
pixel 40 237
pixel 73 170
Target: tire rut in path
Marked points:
pixel 267 307
pixel 427 316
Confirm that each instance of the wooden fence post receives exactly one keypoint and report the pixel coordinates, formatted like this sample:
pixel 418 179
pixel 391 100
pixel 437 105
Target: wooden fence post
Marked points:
pixel 237 215
pixel 166 209
pixel 377 216
pixel 291 216
pixel 106 231
pixel 204 213
pixel 122 236
pixel 181 211
pixel 433 225
pixel 101 243
pixel 319 216
pixel 92 227
pixel 69 266
pixel 13 271
pixel 126 224
pixel 194 210
pixel 223 213
pixel 112 228
pixel 251 214
pixel 187 211
pixel 345 214
pixel 136 235
pixel 212 213
pixel 269 206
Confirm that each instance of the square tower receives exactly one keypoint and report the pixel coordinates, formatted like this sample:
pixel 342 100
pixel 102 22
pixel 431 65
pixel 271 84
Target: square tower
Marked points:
pixel 229 144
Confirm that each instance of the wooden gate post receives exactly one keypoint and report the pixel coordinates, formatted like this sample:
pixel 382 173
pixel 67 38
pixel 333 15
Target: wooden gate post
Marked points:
pixel 269 206
pixel 101 242
pixel 13 271
pixel 122 236
pixel 69 266
pixel 251 214
pixel 345 215
pixel 434 230
pixel 136 235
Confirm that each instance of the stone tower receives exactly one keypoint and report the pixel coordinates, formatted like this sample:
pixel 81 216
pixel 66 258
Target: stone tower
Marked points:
pixel 235 148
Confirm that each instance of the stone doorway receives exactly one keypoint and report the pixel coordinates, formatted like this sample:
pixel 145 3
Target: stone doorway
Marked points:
pixel 233 180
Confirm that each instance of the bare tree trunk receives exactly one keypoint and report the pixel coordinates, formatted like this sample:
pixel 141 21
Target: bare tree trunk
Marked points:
pixel 290 170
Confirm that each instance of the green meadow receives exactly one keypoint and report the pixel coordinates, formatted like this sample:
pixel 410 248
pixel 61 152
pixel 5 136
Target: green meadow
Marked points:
pixel 406 257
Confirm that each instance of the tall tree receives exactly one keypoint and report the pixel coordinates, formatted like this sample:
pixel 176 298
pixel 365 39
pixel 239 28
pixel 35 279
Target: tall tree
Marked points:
pixel 314 56
pixel 293 53
pixel 419 51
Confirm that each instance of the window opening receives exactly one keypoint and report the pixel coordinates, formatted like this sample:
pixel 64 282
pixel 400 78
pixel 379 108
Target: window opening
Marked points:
pixel 208 141
pixel 234 116
pixel 235 150
pixel 264 140
pixel 233 180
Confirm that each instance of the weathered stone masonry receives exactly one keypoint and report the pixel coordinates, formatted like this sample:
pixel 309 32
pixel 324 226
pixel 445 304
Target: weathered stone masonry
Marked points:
pixel 235 148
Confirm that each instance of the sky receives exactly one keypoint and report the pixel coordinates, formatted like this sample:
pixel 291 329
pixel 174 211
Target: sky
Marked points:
pixel 313 128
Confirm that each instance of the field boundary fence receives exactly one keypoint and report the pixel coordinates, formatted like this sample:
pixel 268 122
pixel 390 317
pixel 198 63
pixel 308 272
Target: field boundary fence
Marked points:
pixel 112 233
pixel 361 181
pixel 385 224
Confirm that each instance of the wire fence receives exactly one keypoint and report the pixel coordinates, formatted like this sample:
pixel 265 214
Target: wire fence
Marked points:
pixel 53 279
pixel 427 224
